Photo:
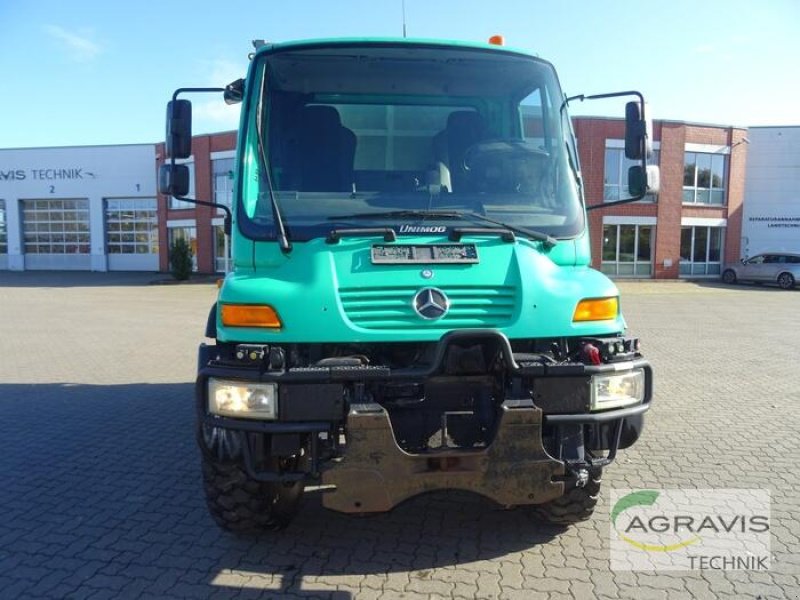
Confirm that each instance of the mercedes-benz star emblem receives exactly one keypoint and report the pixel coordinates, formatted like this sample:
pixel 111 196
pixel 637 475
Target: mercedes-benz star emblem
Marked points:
pixel 430 303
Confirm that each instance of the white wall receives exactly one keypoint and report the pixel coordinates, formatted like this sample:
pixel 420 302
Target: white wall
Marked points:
pixel 772 191
pixel 93 172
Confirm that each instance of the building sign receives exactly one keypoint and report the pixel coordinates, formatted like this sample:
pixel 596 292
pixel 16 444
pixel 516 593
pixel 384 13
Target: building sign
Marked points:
pixel 46 174
pixel 781 221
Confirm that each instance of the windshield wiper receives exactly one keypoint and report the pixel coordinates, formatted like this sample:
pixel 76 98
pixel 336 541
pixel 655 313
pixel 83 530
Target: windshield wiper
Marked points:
pixel 548 240
pixel 283 239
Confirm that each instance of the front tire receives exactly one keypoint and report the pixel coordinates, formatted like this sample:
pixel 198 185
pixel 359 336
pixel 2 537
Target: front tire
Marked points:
pixel 576 505
pixel 785 281
pixel 237 502
pixel 729 277
pixel 241 504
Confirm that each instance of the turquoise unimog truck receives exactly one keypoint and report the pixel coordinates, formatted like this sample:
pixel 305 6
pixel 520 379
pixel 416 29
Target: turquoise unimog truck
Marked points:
pixel 411 306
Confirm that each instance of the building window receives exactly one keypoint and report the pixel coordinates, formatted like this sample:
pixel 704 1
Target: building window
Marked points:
pixel 627 250
pixel 222 181
pixel 187 233
pixel 3 228
pixel 56 226
pixel 704 178
pixel 131 226
pixel 176 204
pixel 222 250
pixel 616 175
pixel 701 250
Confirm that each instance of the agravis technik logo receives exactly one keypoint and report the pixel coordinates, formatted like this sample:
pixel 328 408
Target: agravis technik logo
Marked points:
pixel 721 529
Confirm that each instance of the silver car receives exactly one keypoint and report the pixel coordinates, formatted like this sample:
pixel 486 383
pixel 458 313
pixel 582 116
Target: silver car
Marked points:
pixel 782 268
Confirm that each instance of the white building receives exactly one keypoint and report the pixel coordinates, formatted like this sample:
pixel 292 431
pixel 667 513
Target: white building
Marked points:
pixel 772 191
pixel 89 208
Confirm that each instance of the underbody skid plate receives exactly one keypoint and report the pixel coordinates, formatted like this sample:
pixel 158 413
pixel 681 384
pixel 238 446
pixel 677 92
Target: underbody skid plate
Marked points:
pixel 375 474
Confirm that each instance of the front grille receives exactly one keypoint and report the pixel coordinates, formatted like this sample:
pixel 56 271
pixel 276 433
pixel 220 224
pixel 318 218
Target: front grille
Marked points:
pixel 391 308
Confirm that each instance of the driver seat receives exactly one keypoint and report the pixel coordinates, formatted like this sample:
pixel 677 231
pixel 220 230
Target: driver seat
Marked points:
pixel 325 152
pixel 464 129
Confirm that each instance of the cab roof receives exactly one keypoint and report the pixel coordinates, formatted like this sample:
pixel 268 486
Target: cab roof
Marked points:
pixel 269 48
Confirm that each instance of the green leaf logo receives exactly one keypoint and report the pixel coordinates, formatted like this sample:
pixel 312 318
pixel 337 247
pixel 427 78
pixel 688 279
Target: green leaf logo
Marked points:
pixel 640 498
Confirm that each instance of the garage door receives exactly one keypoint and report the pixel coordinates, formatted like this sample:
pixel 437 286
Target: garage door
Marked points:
pixel 132 234
pixel 56 233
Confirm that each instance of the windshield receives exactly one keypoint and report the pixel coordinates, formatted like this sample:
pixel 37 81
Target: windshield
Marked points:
pixel 385 135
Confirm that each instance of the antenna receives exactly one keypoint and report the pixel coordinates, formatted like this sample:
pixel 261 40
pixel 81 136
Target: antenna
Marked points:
pixel 404 18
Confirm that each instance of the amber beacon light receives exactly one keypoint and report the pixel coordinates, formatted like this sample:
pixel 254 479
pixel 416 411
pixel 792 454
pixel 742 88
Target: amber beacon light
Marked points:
pixel 497 40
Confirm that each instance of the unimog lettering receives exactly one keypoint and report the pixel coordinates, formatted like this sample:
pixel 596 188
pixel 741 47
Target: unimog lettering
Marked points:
pixel 422 229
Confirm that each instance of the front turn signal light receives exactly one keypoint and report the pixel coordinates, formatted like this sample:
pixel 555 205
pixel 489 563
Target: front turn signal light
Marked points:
pixel 250 315
pixel 597 309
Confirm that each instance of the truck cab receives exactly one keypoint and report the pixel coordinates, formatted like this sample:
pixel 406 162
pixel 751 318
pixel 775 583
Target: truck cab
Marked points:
pixel 411 305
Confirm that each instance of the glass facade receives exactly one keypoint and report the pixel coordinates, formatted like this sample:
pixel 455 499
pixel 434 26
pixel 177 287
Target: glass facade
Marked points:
pixel 3 228
pixel 615 175
pixel 628 250
pixel 131 226
pixel 222 250
pixel 58 226
pixel 704 178
pixel 701 250
pixel 222 180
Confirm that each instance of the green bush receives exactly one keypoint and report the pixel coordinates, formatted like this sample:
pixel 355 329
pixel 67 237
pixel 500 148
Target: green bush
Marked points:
pixel 180 259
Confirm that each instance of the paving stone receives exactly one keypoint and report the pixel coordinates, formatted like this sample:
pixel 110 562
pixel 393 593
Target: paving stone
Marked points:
pixel 114 506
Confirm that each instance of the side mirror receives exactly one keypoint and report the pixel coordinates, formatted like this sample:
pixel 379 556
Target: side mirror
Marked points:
pixel 744 260
pixel 638 133
pixel 641 181
pixel 173 180
pixel 179 129
pixel 234 92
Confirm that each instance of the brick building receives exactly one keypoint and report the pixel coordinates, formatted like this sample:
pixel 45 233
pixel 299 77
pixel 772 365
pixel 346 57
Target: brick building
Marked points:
pixel 693 226
pixel 211 178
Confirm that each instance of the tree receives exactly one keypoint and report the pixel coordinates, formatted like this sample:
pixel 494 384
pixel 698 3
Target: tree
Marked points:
pixel 180 259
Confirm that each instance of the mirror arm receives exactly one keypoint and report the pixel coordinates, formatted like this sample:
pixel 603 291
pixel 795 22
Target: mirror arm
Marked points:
pixel 615 202
pixel 228 215
pixel 582 97
pixel 195 89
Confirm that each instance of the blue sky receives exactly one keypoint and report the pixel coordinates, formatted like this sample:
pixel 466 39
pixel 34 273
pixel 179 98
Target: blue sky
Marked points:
pixel 89 72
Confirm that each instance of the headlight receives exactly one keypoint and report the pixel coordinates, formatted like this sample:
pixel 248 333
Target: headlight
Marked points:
pixel 617 389
pixel 244 400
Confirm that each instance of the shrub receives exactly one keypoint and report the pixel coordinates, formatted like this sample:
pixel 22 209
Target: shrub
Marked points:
pixel 180 259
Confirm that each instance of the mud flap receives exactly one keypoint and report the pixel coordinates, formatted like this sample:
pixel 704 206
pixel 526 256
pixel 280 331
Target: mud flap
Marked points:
pixel 375 474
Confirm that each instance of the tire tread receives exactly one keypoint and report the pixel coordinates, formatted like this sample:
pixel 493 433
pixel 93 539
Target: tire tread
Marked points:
pixel 241 504
pixel 576 505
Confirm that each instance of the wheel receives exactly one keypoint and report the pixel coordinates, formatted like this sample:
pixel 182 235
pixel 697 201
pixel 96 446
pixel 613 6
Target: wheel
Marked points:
pixel 785 281
pixel 729 276
pixel 574 506
pixel 241 504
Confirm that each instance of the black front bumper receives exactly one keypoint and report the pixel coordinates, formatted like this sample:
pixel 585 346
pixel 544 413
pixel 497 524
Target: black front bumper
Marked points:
pixel 311 401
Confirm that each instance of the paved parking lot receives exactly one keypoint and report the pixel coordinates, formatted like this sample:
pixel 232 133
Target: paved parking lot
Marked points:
pixel 100 491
